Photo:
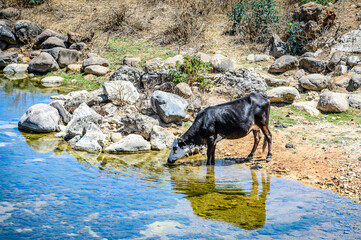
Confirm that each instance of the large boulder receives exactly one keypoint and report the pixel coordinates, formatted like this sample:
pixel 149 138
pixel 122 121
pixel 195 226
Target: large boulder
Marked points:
pixel 140 124
pixel 284 64
pixel 121 92
pixel 131 143
pixel 128 74
pixel 81 118
pixel 283 94
pixel 43 63
pixel 7 58
pixel 350 42
pixel 170 107
pixel 95 61
pixel 40 118
pixel 309 107
pixel 160 138
pixel 314 82
pixel 312 65
pixel 63 113
pixel 333 102
pixel 275 81
pixel 221 63
pixel 276 47
pixel 93 139
pixel 26 31
pixel 355 100
pixel 45 35
pixel 354 83
pixel 54 52
pixel 241 82
pixel 74 99
pixel 53 42
pixel 6 33
pixel 67 57
pixel 16 68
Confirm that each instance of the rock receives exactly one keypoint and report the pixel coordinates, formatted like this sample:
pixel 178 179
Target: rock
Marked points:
pixel 257 57
pixel 182 89
pixel 161 138
pixel 333 102
pixel 349 42
pixel 116 136
pixel 53 42
pixel 169 107
pixel 314 19
pixel 43 63
pixel 120 92
pixel 335 60
pixel 10 13
pixel 356 70
pixel 126 73
pixel 78 46
pixel 151 80
pixel 309 107
pixel 221 63
pixel 40 118
pixel 154 65
pixel 93 139
pixel 82 117
pixel 74 99
pixel 340 70
pixel 312 65
pixel 131 143
pixel 275 82
pixel 95 61
pixel 26 31
pixel 314 82
pixel 242 82
pixel 63 113
pixel 276 47
pixel 204 57
pixel 54 52
pixel 6 33
pixel 67 57
pixel 96 70
pixel 3 45
pixel 353 61
pixel 283 94
pixel 7 58
pixel 355 100
pixel 51 81
pixel 92 55
pixel 354 83
pixel 290 145
pixel 308 55
pixel 284 64
pixel 45 35
pixel 74 37
pixel 299 74
pixel 74 68
pixel 166 87
pixel 16 68
pixel 131 62
pixel 172 61
pixel 140 124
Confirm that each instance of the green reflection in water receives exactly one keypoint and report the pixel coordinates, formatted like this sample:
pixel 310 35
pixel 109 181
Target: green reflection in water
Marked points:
pixel 225 199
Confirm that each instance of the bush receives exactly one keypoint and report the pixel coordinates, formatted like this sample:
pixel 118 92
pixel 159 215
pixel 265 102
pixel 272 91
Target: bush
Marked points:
pixel 191 72
pixel 295 39
pixel 254 19
pixel 322 2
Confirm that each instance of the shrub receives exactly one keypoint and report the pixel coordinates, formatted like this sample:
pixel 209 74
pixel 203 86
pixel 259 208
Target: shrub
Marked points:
pixel 322 2
pixel 254 19
pixel 191 72
pixel 295 40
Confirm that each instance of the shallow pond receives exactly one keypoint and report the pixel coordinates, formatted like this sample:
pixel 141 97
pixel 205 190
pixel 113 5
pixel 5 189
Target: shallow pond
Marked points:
pixel 49 191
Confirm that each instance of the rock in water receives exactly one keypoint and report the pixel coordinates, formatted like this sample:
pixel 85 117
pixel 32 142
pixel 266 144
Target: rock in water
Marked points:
pixel 40 118
pixel 161 138
pixel 131 143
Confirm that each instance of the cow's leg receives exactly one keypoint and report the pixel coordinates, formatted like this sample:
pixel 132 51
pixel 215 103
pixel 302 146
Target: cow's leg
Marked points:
pixel 257 137
pixel 211 145
pixel 268 138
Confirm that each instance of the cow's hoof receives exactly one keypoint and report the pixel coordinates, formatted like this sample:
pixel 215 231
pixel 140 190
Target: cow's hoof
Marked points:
pixel 268 159
pixel 249 158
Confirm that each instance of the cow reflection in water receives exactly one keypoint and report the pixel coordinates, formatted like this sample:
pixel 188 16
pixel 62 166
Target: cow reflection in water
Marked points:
pixel 241 207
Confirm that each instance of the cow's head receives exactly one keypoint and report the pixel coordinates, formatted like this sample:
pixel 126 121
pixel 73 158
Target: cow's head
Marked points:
pixel 179 149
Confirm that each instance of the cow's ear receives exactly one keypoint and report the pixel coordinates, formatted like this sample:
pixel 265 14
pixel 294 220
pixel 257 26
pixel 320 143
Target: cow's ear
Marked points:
pixel 181 143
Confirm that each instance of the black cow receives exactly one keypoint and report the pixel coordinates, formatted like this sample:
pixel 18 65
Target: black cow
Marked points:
pixel 231 120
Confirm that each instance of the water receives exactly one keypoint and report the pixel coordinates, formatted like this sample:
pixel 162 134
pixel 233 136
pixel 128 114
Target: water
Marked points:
pixel 49 191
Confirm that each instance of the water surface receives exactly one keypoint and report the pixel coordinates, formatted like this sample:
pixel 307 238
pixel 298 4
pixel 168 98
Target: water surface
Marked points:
pixel 49 191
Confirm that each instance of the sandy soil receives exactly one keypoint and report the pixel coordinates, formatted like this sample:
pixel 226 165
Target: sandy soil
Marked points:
pixel 325 155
